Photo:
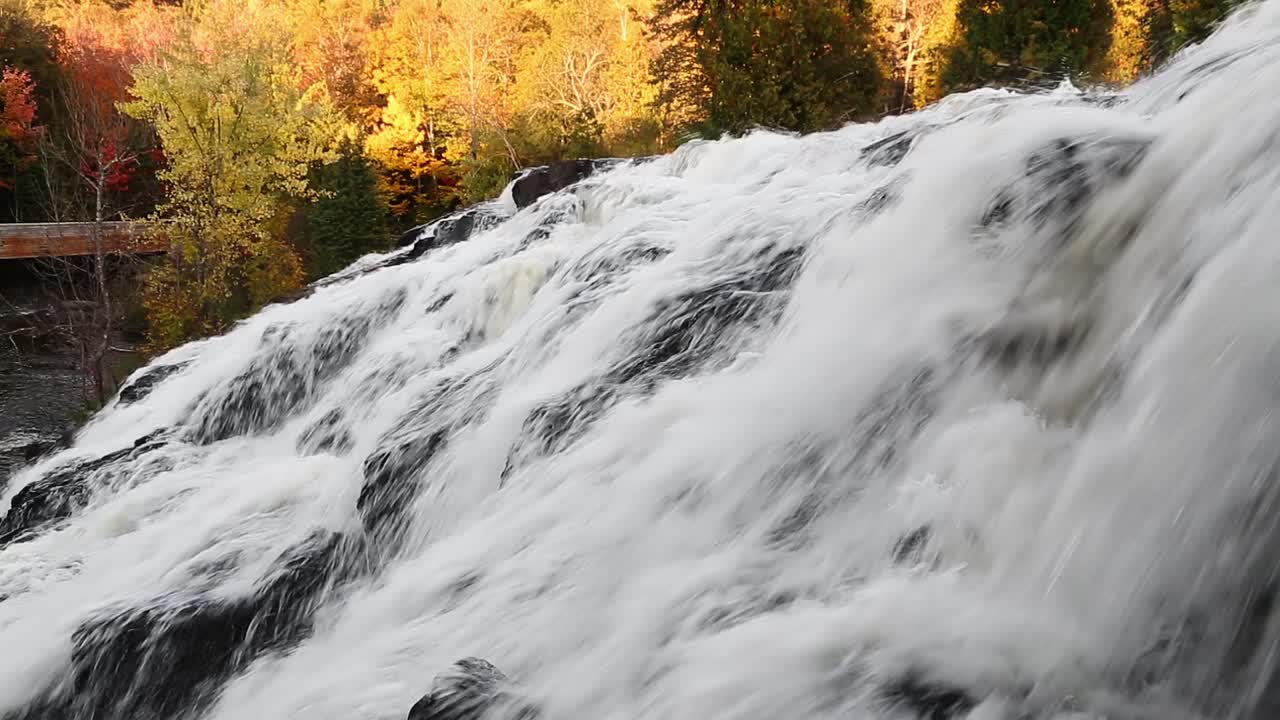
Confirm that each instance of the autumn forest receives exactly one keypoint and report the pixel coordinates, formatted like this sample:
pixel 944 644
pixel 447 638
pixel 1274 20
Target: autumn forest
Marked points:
pixel 280 139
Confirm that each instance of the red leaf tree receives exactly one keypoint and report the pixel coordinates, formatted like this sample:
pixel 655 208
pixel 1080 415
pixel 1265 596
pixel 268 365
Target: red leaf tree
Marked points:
pixel 19 132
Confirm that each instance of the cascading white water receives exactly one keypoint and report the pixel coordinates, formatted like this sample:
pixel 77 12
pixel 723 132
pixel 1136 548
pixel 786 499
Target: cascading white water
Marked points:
pixel 970 413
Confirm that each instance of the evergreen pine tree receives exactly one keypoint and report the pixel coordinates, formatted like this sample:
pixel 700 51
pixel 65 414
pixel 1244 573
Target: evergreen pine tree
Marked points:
pixel 349 218
pixel 1013 41
pixel 793 64
pixel 1191 21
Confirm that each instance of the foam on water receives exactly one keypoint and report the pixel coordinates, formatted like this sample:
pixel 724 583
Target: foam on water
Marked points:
pixel 974 404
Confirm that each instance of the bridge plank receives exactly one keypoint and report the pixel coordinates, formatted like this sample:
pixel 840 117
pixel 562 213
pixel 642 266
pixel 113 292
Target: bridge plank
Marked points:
pixel 21 241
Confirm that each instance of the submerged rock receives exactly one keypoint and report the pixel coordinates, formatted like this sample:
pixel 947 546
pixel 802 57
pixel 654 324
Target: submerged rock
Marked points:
pixel 685 335
pixel 929 701
pixel 1061 178
pixel 909 549
pixel 470 690
pixel 399 467
pixel 285 375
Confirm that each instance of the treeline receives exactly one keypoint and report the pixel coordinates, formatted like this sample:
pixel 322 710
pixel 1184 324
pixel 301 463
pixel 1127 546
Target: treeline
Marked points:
pixel 280 139
pixel 814 64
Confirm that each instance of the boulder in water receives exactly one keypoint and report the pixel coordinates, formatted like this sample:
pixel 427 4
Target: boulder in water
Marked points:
pixel 448 230
pixel 525 190
pixel 61 493
pixel 888 151
pixel 545 180
pixel 42 503
pixel 445 231
pixel 169 659
pixel 146 381
pixel 469 691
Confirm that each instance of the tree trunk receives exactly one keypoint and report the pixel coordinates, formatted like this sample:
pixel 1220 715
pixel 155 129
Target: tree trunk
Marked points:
pixel 100 330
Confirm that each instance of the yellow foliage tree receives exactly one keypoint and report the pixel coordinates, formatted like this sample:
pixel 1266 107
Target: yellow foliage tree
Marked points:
pixel 587 73
pixel 239 138
pixel 936 35
pixel 912 32
pixel 478 65
pixel 409 131
pixel 331 41
pixel 1133 40
pixel 415 180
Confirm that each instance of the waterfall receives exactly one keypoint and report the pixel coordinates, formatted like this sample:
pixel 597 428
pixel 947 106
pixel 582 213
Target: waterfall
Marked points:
pixel 970 413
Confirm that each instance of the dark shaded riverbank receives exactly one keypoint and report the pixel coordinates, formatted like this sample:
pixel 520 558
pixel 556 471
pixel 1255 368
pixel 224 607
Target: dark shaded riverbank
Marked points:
pixel 43 394
pixel 40 388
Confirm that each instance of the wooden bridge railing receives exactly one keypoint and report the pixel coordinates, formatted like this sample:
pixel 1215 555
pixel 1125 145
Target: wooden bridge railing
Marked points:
pixel 20 241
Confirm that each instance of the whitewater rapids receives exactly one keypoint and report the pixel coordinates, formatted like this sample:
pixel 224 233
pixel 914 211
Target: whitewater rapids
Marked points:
pixel 970 413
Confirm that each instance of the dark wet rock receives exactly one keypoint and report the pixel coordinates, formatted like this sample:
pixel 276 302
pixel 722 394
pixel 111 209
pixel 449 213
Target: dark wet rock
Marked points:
pixel 329 434
pixel 62 492
pixel 1025 341
pixel 598 267
pixel 461 589
pixel 1174 643
pixel 449 230
pixel 888 151
pixel 284 376
pixel 276 383
pixel 1217 64
pixel 555 213
pixel 998 212
pixel 395 471
pixel 459 227
pixel 929 701
pixel 735 613
pixel 42 503
pixel 472 689
pixel 411 236
pixel 170 660
pixel 554 425
pixel 437 304
pixel 587 282
pixel 790 531
pixel 910 547
pixel 1102 99
pixel 392 480
pixel 1060 179
pixel 881 198
pixel 1060 169
pixel 686 330
pixel 895 418
pixel 143 383
pixel 537 182
pixel 874 440
pixel 681 337
pixel 528 187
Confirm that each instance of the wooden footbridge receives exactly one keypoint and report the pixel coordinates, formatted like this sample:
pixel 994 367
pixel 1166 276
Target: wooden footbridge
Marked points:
pixel 24 241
